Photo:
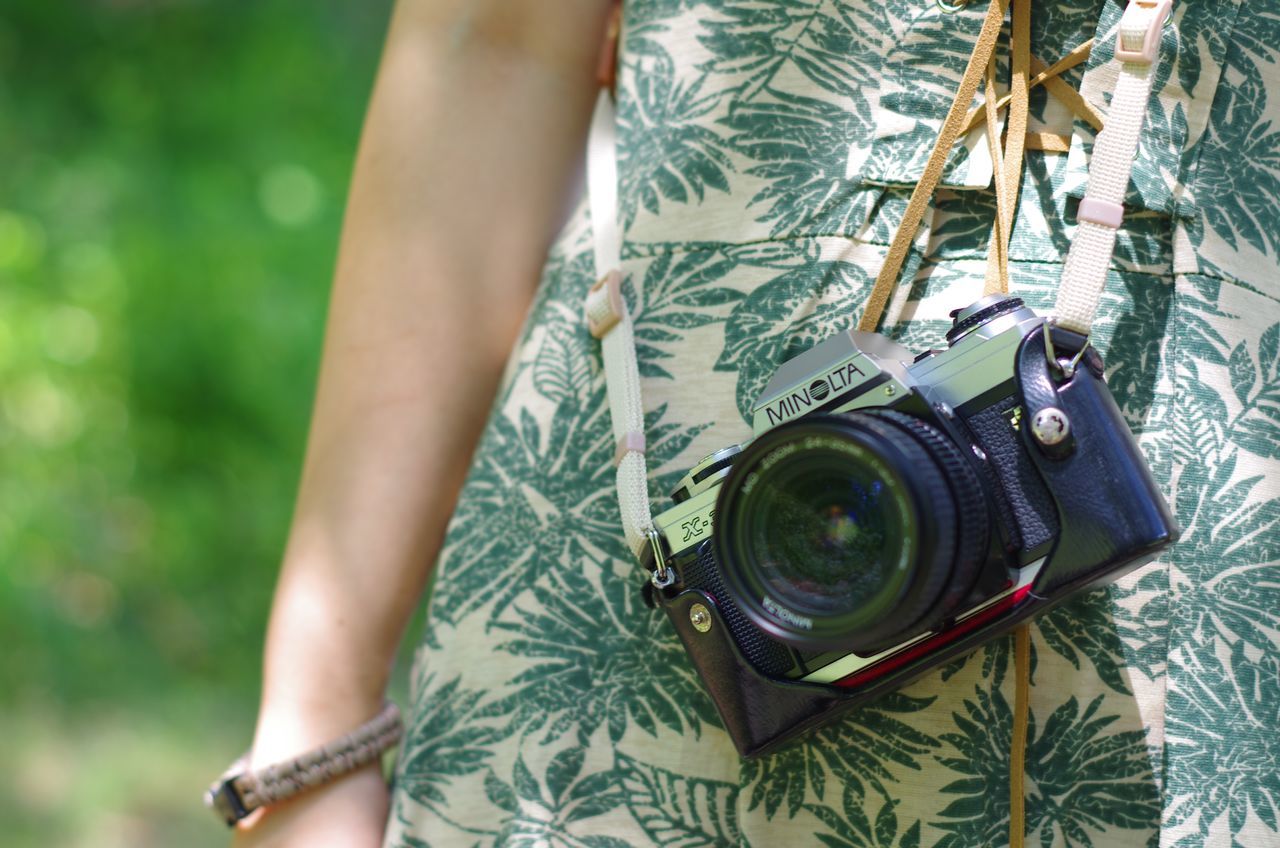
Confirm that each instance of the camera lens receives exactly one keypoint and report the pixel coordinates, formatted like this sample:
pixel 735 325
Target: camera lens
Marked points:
pixel 844 531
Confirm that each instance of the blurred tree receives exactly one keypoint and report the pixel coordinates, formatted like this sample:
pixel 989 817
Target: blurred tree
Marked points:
pixel 171 189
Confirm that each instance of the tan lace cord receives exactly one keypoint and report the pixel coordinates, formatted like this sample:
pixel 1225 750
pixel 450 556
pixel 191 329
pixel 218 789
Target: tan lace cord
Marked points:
pixel 947 135
pixel 1048 76
pixel 1007 172
pixel 998 252
pixel 1068 95
pixel 1048 142
pixel 1007 168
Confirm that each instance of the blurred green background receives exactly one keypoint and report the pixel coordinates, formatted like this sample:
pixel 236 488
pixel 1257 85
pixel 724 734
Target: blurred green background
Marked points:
pixel 172 176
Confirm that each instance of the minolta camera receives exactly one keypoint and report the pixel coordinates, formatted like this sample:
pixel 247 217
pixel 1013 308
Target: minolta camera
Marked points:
pixel 895 511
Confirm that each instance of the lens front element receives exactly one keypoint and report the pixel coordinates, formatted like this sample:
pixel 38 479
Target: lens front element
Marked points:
pixel 813 507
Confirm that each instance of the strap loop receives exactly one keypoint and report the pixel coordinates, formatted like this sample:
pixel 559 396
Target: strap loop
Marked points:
pixel 1138 38
pixel 604 306
pixel 1095 210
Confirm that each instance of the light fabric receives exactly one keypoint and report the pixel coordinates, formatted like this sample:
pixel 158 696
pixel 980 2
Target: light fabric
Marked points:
pixel 767 149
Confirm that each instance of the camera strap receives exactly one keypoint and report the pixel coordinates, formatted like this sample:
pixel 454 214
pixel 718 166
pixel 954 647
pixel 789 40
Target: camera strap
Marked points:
pixel 1101 211
pixel 609 321
pixel 1100 215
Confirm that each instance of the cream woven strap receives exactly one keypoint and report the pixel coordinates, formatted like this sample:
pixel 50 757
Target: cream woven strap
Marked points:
pixel 237 793
pixel 609 321
pixel 1102 210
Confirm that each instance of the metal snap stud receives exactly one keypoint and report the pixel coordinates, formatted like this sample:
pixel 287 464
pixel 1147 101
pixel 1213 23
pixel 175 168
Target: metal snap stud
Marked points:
pixel 1050 426
pixel 700 618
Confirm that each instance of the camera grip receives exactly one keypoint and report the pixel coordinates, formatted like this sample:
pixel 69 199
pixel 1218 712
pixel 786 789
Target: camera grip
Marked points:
pixel 1109 506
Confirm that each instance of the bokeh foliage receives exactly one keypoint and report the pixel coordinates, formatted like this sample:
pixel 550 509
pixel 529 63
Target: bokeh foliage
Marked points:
pixel 171 183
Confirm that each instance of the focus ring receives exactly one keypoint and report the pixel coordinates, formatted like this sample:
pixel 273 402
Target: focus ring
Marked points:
pixel 929 480
pixel 973 520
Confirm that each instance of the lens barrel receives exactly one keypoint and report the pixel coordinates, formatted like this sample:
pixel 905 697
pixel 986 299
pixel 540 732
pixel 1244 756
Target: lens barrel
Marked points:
pixel 853 531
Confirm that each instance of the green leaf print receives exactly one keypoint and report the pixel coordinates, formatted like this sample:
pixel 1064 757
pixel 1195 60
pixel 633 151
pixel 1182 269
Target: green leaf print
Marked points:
pixel 562 368
pixel 1222 741
pixel 997 657
pixel 1257 427
pixel 755 42
pixel 786 316
pixel 800 143
pixel 1085 627
pixel 679 811
pixel 1243 373
pixel 678 294
pixel 502 795
pixel 665 152
pixel 1231 533
pixel 851 828
pixel 1143 626
pixel 597 656
pixel 1206 34
pixel 1135 351
pixel 1087 780
pixel 981 746
pixel 412 842
pixel 1079 779
pixel 537 496
pixel 564 770
pixel 546 811
pixel 856 751
pixel 1238 176
pixel 450 737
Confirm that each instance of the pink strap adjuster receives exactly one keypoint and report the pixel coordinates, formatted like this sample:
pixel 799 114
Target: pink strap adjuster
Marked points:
pixel 632 442
pixel 605 307
pixel 1138 37
pixel 1102 212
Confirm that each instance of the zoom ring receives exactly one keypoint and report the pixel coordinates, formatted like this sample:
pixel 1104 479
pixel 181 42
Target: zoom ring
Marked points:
pixel 973 520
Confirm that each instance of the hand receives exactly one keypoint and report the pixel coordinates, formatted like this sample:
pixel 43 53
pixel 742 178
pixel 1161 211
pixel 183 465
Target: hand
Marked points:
pixel 350 812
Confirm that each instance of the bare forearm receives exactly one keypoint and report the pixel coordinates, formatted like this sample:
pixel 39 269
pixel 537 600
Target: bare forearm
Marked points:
pixel 471 139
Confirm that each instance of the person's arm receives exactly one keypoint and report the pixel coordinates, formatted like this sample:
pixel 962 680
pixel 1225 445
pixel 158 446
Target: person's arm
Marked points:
pixel 470 144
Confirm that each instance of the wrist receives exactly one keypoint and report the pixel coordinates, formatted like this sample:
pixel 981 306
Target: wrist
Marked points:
pixel 290 723
pixel 325 670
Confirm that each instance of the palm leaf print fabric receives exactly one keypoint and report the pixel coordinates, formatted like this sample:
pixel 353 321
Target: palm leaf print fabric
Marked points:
pixel 767 151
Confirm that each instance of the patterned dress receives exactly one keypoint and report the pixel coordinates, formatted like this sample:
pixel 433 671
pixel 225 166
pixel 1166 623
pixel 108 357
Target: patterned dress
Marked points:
pixel 767 151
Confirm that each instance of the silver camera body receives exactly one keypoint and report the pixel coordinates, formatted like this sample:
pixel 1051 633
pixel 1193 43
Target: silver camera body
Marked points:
pixel 892 512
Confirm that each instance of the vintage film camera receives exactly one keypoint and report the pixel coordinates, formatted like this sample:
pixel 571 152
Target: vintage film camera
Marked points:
pixel 893 512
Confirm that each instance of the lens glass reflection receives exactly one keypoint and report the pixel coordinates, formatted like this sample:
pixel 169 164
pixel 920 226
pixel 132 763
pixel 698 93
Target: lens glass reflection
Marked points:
pixel 824 529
